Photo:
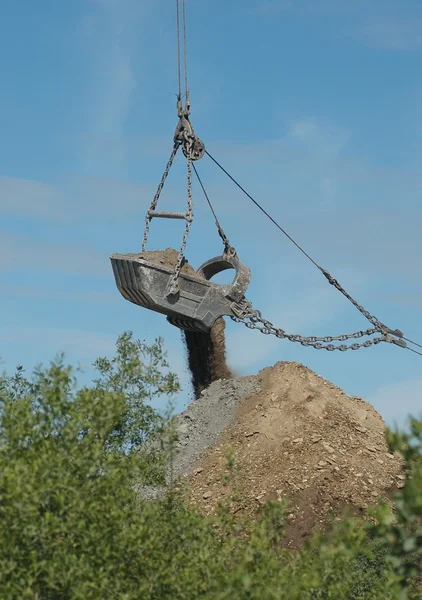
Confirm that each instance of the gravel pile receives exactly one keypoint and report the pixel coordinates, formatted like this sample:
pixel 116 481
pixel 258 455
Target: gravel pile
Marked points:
pixel 203 422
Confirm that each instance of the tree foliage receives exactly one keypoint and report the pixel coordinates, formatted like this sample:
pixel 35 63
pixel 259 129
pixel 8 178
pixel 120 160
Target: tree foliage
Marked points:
pixel 73 525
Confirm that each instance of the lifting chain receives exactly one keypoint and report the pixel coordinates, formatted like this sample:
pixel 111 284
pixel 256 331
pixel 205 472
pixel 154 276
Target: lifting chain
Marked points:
pixel 379 326
pixel 174 285
pixel 193 149
pixel 251 318
pixel 375 322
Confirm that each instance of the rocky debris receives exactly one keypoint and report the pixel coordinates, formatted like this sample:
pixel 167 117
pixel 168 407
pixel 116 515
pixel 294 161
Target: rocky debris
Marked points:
pixel 201 425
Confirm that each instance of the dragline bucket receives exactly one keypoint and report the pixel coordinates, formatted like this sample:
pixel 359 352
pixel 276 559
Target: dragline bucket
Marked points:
pixel 199 301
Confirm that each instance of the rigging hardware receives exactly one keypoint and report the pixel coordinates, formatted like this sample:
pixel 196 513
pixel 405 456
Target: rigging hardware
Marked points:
pixel 195 302
pixel 192 303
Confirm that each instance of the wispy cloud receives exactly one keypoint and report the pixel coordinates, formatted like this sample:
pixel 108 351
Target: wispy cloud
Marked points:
pixel 307 143
pixel 87 344
pixel 350 204
pixel 27 198
pixel 304 137
pixel 107 33
pixel 310 7
pixel 319 138
pixel 271 7
pixel 374 24
pixel 392 34
pixel 24 253
pixel 73 199
pixel 307 169
pixel 406 299
pixel 32 292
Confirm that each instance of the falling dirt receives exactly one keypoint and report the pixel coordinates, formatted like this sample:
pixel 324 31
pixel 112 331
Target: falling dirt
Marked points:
pixel 206 352
pixel 295 437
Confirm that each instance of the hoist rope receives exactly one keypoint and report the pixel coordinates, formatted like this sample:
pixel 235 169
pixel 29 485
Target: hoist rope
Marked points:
pixel 226 241
pixel 371 318
pixel 415 344
pixel 217 222
pixel 412 350
pixel 185 54
pixel 256 321
pixel 411 342
pixel 263 210
pixel 194 149
pixel 179 50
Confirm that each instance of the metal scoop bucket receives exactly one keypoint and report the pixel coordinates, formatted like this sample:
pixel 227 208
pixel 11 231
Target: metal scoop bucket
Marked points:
pixel 198 304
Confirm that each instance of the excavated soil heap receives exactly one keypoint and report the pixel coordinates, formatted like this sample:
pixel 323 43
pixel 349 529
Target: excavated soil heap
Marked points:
pixel 294 436
pixel 206 352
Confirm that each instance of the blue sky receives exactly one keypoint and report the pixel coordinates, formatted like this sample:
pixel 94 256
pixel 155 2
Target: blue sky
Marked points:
pixel 315 106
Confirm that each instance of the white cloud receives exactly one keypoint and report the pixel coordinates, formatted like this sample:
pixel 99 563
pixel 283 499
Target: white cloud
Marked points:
pixel 408 299
pixel 107 34
pixel 108 198
pixel 320 138
pixel 23 253
pixel 115 98
pixel 73 199
pixel 305 139
pixel 28 198
pixel 375 24
pixel 303 172
pixel 394 34
pixel 350 206
pixel 96 297
pixel 272 7
pixel 311 7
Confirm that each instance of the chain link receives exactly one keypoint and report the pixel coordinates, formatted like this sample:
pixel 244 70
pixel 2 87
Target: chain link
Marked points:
pixel 193 148
pixel 174 285
pixel 252 319
pixel 375 322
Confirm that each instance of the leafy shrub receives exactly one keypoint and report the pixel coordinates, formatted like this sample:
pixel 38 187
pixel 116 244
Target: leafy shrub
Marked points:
pixel 74 527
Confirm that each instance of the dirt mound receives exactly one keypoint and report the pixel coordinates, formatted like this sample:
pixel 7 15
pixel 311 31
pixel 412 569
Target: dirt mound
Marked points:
pixel 294 436
pixel 206 352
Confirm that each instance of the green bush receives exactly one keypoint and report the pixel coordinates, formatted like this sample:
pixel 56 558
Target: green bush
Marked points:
pixel 73 525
